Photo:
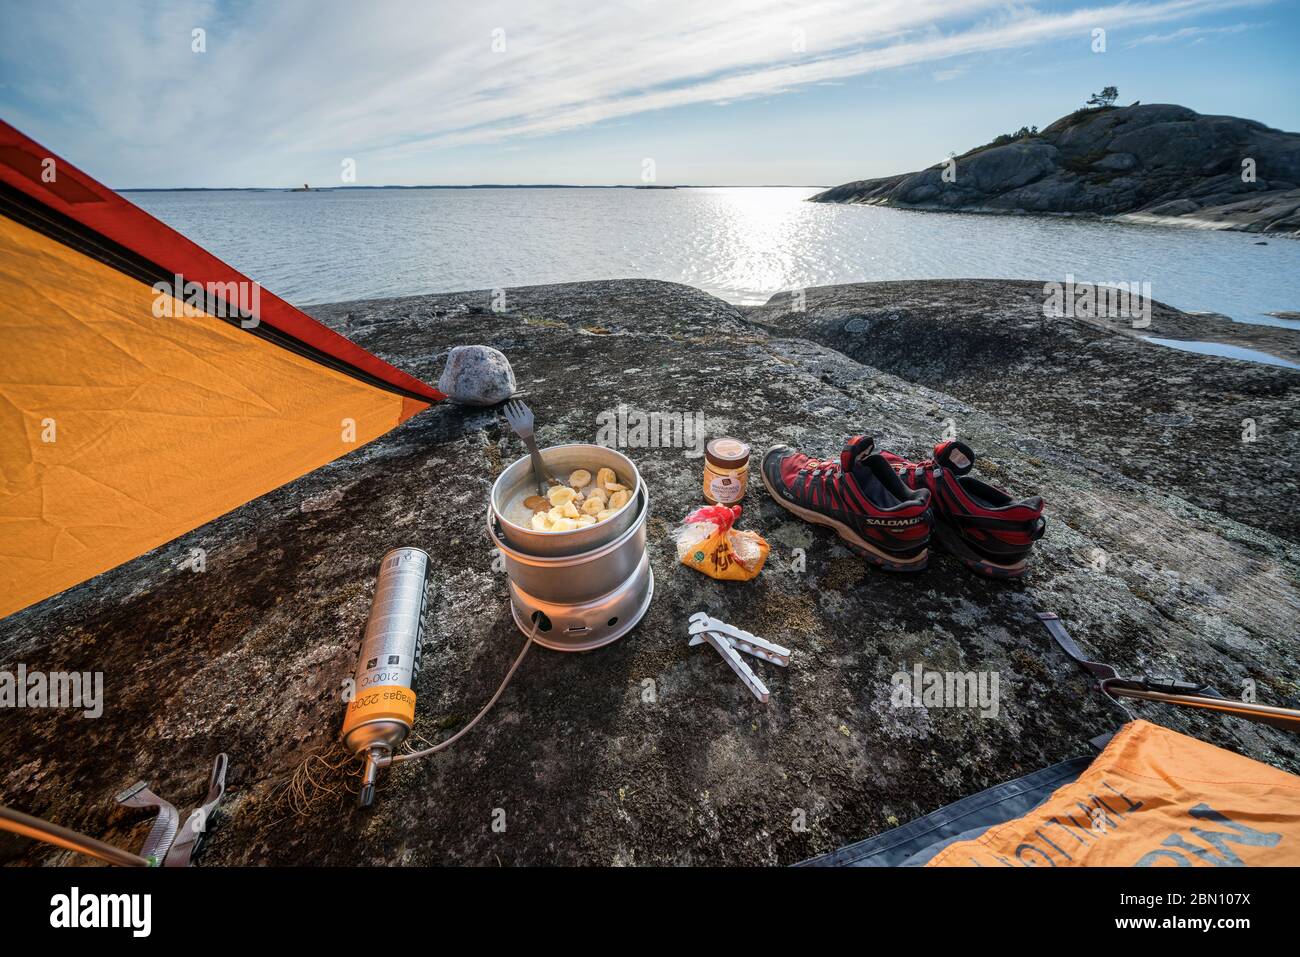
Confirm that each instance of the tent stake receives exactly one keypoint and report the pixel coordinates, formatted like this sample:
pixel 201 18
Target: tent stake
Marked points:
pixel 1183 693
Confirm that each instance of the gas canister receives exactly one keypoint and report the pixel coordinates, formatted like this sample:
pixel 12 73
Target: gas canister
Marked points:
pixel 382 706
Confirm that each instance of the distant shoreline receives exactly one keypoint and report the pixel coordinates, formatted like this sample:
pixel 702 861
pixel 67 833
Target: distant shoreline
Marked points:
pixel 326 189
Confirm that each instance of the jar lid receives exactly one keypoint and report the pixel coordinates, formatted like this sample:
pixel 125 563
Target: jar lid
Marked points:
pixel 726 452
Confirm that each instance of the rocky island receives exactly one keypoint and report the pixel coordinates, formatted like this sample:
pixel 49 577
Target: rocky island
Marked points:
pixel 1143 163
pixel 1171 548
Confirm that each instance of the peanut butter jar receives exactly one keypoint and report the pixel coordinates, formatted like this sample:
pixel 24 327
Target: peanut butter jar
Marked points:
pixel 726 470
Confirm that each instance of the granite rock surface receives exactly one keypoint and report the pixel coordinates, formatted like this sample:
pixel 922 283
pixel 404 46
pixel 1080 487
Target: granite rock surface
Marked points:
pixel 648 751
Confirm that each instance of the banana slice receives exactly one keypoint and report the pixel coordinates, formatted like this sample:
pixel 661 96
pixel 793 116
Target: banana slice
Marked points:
pixel 585 520
pixel 593 505
pixel 608 513
pixel 563 525
pixel 580 479
pixel 604 477
pixel 598 493
pixel 619 499
pixel 541 522
pixel 567 510
pixel 537 503
pixel 559 494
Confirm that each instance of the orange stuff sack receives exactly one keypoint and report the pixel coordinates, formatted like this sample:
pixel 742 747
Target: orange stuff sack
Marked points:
pixel 1152 798
pixel 707 542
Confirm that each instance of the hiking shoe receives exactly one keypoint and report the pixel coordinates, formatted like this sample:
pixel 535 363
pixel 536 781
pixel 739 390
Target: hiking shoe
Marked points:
pixel 860 496
pixel 983 526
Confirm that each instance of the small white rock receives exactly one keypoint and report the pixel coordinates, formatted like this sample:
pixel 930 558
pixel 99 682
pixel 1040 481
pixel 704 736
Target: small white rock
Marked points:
pixel 477 375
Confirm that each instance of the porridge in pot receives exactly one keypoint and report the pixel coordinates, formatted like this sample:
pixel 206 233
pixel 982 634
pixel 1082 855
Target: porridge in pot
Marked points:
pixel 585 499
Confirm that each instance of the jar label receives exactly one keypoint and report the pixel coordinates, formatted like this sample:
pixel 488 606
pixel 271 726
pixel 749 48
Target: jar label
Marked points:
pixel 725 489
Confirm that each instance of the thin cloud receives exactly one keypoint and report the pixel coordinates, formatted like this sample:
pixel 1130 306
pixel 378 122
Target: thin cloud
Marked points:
pixel 297 85
pixel 1022 29
pixel 1195 34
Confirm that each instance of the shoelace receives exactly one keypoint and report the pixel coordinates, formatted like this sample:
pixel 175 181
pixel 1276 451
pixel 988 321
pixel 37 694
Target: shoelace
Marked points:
pixel 816 465
pixel 828 470
pixel 920 473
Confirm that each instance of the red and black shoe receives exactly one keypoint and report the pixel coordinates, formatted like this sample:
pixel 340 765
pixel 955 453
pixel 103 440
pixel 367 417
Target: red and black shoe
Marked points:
pixel 859 496
pixel 983 526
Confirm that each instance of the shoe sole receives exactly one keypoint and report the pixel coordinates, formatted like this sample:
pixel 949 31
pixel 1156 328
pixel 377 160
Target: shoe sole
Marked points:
pixel 854 541
pixel 952 542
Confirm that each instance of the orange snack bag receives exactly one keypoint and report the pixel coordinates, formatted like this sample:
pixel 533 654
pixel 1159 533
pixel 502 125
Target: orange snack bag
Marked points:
pixel 707 542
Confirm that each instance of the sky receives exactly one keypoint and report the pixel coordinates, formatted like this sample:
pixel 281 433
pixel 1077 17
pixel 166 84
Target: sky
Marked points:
pixel 762 92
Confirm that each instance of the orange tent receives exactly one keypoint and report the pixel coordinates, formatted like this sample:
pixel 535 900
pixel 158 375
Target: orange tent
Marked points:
pixel 147 387
pixel 1152 798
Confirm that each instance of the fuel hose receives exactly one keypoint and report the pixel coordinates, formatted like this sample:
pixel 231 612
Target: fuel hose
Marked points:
pixel 411 756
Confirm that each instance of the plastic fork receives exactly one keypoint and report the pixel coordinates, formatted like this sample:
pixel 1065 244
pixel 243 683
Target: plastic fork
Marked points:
pixel 520 418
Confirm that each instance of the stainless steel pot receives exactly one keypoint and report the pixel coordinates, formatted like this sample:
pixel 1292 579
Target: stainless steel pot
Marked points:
pixel 562 460
pixel 575 579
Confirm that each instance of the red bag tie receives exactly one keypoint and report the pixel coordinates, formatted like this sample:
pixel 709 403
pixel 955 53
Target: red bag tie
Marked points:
pixel 723 516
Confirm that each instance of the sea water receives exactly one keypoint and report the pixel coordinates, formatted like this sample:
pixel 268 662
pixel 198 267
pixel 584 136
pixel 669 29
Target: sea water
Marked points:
pixel 742 244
